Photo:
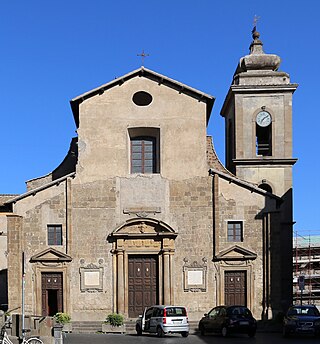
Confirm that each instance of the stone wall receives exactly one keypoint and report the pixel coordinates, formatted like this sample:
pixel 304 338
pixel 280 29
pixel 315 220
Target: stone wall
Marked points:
pixel 15 261
pixel 186 209
pixel 191 215
pixel 37 182
pixel 93 217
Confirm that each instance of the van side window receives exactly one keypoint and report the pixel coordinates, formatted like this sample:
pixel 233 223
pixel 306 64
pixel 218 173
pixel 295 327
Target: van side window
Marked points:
pixel 149 313
pixel 176 311
pixel 156 312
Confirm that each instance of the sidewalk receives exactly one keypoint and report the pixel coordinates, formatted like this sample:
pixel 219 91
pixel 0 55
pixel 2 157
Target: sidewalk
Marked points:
pixel 14 339
pixel 45 340
pixel 269 326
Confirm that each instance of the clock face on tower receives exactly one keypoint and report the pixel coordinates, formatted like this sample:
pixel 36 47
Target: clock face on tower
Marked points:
pixel 263 119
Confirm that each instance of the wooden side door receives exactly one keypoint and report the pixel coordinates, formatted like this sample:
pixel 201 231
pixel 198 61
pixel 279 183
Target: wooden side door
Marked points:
pixel 52 293
pixel 142 283
pixel 235 288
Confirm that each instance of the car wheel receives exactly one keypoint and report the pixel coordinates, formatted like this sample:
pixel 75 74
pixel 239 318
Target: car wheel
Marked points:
pixel 185 334
pixel 202 331
pixel 160 333
pixel 138 330
pixel 251 334
pixel 224 331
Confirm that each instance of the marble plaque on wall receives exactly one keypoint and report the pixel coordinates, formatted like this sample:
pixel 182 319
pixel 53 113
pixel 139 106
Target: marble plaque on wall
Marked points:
pixel 195 277
pixel 91 278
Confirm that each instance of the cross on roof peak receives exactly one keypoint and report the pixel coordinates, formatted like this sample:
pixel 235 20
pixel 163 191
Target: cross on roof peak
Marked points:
pixel 143 55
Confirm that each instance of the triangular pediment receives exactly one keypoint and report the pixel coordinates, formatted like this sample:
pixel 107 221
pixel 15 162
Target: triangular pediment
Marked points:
pixel 50 255
pixel 151 75
pixel 236 253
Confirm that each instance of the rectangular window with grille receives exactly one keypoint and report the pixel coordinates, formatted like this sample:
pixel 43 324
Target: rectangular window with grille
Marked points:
pixel 54 234
pixel 235 231
pixel 143 155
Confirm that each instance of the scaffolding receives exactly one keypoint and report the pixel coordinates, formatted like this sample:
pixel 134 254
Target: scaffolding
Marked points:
pixel 306 268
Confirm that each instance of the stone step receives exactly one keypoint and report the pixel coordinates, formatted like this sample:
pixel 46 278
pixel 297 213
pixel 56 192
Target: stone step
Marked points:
pixel 96 326
pixel 86 326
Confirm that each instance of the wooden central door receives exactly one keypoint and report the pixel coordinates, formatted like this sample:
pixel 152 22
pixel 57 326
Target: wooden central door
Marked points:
pixel 142 283
pixel 235 288
pixel 52 293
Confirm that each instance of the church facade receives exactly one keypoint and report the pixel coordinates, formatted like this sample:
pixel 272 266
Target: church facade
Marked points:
pixel 141 211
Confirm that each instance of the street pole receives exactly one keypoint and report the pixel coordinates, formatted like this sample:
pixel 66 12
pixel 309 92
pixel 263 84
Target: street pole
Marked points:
pixel 23 287
pixel 301 286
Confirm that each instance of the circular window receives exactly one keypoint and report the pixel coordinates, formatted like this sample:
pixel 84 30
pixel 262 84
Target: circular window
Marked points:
pixel 142 98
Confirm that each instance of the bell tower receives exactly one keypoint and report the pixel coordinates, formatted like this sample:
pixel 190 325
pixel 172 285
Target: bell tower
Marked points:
pixel 258 125
pixel 258 121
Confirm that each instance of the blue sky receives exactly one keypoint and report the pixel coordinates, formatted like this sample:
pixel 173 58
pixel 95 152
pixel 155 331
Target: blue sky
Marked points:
pixel 53 51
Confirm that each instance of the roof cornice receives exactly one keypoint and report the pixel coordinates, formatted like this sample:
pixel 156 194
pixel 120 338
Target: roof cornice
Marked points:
pixel 266 161
pixel 33 192
pixel 234 89
pixel 147 73
pixel 264 88
pixel 244 184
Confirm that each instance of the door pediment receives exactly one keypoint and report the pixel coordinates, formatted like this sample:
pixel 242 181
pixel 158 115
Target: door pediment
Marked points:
pixel 236 253
pixel 143 227
pixel 50 255
pixel 138 228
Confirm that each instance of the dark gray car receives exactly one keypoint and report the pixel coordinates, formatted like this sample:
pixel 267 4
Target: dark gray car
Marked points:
pixel 303 319
pixel 227 320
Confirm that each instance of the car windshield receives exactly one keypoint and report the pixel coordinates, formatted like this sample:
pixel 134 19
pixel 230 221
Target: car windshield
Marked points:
pixel 244 311
pixel 307 311
pixel 175 311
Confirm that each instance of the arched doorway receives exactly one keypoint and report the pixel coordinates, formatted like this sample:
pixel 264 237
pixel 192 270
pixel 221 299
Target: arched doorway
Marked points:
pixel 142 265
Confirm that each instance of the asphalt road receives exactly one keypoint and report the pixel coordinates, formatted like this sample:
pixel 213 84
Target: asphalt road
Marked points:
pixel 261 338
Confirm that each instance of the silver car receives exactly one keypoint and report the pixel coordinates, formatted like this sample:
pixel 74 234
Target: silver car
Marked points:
pixel 162 320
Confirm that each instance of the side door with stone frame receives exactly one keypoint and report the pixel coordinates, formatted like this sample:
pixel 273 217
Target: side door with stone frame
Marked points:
pixel 235 288
pixel 52 293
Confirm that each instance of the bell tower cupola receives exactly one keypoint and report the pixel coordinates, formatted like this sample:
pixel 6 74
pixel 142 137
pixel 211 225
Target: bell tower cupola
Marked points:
pixel 258 121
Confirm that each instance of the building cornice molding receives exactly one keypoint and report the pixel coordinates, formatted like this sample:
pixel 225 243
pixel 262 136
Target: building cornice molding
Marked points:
pixel 33 192
pixel 255 89
pixel 266 161
pixel 247 185
pixel 149 74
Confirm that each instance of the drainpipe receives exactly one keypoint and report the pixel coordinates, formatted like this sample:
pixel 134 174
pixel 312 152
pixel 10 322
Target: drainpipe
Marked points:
pixel 66 194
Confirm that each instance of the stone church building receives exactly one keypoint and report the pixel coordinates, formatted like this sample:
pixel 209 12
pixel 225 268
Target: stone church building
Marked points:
pixel 141 211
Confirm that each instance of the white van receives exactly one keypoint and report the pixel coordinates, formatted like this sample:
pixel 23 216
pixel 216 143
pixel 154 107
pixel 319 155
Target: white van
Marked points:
pixel 162 320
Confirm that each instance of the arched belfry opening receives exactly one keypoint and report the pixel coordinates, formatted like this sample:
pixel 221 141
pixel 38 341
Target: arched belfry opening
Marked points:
pixel 142 250
pixel 265 187
pixel 263 134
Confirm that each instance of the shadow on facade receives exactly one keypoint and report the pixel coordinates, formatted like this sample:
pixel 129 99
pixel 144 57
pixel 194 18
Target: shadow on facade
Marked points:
pixel 277 256
pixel 69 163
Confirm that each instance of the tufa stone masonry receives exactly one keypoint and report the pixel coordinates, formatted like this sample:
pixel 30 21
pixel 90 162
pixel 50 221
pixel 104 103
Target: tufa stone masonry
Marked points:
pixel 141 211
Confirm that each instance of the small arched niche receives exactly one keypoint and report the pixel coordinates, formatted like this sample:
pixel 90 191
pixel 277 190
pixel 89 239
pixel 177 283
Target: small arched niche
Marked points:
pixel 265 187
